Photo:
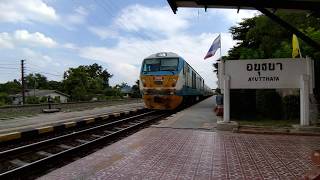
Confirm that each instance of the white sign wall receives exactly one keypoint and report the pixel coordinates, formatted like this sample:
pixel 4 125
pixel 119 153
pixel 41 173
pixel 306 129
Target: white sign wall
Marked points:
pixel 266 73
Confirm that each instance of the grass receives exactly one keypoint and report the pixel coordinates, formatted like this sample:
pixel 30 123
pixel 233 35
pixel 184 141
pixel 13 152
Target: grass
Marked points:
pixel 268 122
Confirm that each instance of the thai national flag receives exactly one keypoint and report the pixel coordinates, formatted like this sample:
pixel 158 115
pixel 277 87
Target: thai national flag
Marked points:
pixel 214 47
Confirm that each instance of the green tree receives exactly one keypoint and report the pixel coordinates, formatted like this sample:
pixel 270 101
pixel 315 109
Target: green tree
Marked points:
pixel 261 38
pixel 32 100
pixel 84 82
pixel 55 85
pixel 36 81
pixel 11 87
pixel 135 90
pixel 4 99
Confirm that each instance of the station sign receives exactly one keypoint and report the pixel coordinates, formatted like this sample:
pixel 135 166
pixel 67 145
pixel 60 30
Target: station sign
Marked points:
pixel 266 73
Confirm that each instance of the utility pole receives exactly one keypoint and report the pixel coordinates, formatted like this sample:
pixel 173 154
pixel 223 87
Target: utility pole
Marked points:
pixel 23 82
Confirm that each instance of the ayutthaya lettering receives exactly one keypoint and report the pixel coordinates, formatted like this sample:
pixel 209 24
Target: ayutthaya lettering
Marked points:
pixel 275 78
pixel 264 66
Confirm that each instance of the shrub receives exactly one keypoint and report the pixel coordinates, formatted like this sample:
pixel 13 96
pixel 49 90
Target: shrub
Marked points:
pixel 4 99
pixel 33 100
pixel 291 107
pixel 269 104
pixel 242 103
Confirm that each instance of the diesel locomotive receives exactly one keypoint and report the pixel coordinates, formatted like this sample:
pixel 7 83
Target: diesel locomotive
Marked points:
pixel 167 81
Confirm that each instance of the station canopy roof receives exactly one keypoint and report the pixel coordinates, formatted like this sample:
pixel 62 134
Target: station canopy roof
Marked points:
pixel 312 5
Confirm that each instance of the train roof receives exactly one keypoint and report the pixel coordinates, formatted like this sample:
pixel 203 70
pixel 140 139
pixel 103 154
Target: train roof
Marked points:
pixel 163 55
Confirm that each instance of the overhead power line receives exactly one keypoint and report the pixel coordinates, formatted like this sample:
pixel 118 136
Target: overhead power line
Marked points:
pixel 7 64
pixel 41 72
pixel 1 67
pixel 38 68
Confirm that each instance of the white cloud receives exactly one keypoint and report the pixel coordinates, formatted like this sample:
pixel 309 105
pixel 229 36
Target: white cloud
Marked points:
pixel 125 59
pixel 70 46
pixel 38 62
pixel 103 32
pixel 232 16
pixel 36 57
pixel 161 20
pixel 34 39
pixel 26 11
pixel 82 11
pixel 25 38
pixel 78 17
pixel 5 40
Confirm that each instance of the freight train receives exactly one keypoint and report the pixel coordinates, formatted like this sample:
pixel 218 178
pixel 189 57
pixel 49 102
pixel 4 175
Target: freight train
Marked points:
pixel 168 81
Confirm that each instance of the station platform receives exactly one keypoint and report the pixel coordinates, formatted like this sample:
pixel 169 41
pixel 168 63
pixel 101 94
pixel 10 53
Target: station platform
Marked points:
pixel 185 146
pixel 199 116
pixel 23 124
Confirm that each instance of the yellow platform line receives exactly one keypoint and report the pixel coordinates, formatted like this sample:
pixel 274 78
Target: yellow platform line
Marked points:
pixel 69 124
pixel 127 112
pixel 10 136
pixel 116 114
pixel 45 129
pixel 105 116
pixel 89 120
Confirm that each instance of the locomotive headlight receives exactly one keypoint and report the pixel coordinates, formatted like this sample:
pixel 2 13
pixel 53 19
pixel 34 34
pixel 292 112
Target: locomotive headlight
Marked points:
pixel 171 93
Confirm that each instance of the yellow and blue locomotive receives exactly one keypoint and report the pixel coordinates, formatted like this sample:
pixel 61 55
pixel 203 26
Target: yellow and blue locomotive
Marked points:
pixel 167 81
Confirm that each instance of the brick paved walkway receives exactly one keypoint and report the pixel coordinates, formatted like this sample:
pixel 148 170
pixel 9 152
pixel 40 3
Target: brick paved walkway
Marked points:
pixel 161 153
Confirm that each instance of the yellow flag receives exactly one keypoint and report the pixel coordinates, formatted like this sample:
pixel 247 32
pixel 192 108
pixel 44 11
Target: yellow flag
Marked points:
pixel 295 46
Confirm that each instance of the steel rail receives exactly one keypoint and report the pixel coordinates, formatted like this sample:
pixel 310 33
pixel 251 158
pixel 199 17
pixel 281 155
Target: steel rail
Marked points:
pixel 20 171
pixel 18 150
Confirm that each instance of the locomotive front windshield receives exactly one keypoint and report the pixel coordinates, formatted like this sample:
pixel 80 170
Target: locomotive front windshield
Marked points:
pixel 167 64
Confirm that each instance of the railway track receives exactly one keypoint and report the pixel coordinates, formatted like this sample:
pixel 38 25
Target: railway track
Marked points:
pixel 24 161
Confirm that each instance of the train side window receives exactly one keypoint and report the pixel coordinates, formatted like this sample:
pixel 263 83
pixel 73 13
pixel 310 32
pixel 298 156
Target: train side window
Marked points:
pixel 194 80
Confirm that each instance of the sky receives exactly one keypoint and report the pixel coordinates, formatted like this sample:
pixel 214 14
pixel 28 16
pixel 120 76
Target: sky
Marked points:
pixel 55 35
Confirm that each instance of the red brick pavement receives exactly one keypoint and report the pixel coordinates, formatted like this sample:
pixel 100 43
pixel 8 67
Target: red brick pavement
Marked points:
pixel 158 153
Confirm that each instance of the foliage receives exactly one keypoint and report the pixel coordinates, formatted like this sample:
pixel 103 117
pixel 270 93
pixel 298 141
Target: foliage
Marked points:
pixel 113 92
pixel 4 99
pixel 32 100
pixel 242 104
pixel 83 82
pixel 268 104
pixel 55 85
pixel 135 90
pixel 261 38
pixel 291 107
pixel 36 81
pixel 43 99
pixel 11 87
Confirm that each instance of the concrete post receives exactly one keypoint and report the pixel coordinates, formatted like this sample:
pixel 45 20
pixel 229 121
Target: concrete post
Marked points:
pixel 226 99
pixel 304 100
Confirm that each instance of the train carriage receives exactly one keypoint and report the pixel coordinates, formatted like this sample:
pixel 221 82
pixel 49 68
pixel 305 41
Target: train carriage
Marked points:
pixel 167 81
